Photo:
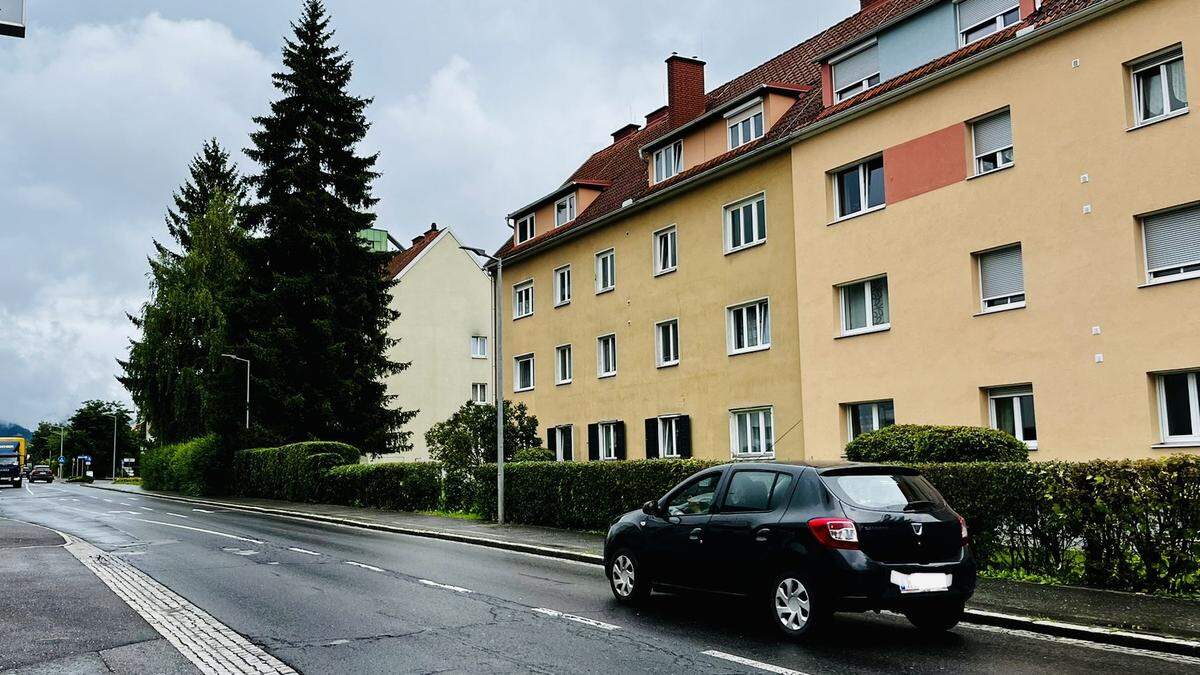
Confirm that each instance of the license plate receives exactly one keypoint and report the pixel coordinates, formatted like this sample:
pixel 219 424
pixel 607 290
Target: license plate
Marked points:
pixel 921 582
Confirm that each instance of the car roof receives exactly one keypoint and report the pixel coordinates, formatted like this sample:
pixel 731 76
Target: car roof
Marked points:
pixel 824 467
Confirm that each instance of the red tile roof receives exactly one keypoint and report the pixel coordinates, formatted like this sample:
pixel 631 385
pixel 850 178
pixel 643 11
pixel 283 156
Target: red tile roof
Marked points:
pixel 403 257
pixel 626 170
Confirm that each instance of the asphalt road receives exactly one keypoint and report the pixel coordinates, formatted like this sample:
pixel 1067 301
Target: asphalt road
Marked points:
pixel 329 599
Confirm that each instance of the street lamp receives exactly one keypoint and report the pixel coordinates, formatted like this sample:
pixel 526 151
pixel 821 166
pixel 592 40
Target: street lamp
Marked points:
pixel 497 376
pixel 247 362
pixel 114 468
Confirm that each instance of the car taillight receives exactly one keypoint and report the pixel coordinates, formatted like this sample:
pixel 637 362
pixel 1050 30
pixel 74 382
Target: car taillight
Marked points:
pixel 963 524
pixel 835 532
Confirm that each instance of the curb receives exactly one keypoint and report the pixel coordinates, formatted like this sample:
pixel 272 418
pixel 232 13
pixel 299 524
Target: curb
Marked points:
pixel 1109 636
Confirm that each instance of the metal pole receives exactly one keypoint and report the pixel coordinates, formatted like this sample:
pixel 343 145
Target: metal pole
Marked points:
pixel 247 394
pixel 62 433
pixel 114 472
pixel 499 357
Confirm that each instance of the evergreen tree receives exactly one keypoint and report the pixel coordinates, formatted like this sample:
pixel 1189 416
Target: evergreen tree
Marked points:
pixel 320 302
pixel 209 172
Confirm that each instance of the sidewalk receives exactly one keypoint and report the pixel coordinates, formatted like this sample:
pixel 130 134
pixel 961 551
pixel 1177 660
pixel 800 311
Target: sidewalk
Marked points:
pixel 1129 619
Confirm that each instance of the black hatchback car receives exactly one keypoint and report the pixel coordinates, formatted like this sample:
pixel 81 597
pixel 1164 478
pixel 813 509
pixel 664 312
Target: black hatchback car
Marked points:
pixel 41 472
pixel 803 540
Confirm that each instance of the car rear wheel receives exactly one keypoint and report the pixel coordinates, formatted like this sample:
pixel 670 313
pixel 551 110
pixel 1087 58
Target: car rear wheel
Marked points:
pixel 936 617
pixel 795 610
pixel 626 578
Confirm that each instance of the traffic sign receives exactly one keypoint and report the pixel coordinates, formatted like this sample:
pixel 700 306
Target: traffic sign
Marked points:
pixel 12 18
pixel 61 459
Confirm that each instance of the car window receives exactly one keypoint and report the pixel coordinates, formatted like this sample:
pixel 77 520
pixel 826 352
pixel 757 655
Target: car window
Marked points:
pixel 783 487
pixel 884 492
pixel 694 498
pixel 756 491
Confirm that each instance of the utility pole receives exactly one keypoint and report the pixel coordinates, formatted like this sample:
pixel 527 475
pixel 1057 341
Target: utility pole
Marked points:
pixel 497 375
pixel 247 362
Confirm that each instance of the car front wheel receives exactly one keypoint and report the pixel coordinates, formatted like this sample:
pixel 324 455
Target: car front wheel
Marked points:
pixel 936 617
pixel 626 578
pixel 795 609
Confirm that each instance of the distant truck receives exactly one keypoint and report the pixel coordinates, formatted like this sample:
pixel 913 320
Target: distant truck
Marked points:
pixel 12 460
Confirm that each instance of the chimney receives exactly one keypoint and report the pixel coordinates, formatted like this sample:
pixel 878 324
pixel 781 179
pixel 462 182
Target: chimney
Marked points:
pixel 656 115
pixel 625 131
pixel 866 4
pixel 685 89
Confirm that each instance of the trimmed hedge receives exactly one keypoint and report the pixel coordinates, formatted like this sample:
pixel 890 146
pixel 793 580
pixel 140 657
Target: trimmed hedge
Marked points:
pixel 534 455
pixel 294 472
pixel 929 443
pixel 402 486
pixel 195 467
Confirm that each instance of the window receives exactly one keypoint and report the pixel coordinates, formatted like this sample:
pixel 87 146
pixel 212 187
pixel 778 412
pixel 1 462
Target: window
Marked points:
pixel 606 355
pixel 865 306
pixel 1011 410
pixel 746 223
pixel 523 299
pixel 992 137
pixel 756 491
pixel 562 364
pixel 1172 242
pixel 978 19
pixel 668 161
pixel 749 327
pixel 479 392
pixel 564 210
pixel 695 498
pixel 668 436
pixel 478 347
pixel 745 126
pixel 562 440
pixel 1159 87
pixel 1001 279
pixel 666 343
pixel 864 417
pixel 666 256
pixel 606 271
pixel 859 188
pixel 562 286
pixel 1179 407
pixel 855 71
pixel 751 433
pixel 523 372
pixel 525 229
pixel 608 440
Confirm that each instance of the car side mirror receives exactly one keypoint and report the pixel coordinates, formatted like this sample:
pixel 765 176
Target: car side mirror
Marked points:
pixel 650 508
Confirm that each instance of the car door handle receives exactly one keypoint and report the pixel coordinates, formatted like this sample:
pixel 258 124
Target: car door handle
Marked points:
pixel 697 535
pixel 762 534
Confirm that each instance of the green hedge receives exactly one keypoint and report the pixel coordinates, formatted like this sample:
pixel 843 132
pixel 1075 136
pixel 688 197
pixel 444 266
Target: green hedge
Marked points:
pixel 294 472
pixel 403 486
pixel 929 443
pixel 534 455
pixel 196 467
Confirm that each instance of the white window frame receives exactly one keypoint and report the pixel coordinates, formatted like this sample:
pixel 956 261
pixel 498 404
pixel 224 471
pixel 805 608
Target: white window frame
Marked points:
pixel 852 90
pixel 658 342
pixel 997 21
pixel 563 375
pixel 606 436
pixel 868 297
pixel 481 342
pixel 984 308
pixel 609 254
pixel 849 408
pixel 530 221
pixel 517 361
pixel 569 200
pixel 1186 271
pixel 562 281
pixel 518 288
pixel 671 234
pixel 998 155
pixel 560 432
pixel 734 121
pixel 668 161
pixel 479 386
pixel 766 448
pixel 1193 399
pixel 668 429
pixel 1158 62
pixel 864 190
pixel 763 324
pixel 727 212
pixel 994 394
pixel 601 340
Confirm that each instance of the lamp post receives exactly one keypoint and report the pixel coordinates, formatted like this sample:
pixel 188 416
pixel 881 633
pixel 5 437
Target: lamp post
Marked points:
pixel 247 362
pixel 114 462
pixel 497 376
pixel 62 434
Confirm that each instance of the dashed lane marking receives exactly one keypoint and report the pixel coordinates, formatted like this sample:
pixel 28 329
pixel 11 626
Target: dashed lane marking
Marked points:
pixel 456 589
pixel 177 515
pixel 363 565
pixel 302 550
pixel 204 511
pixel 201 529
pixel 145 508
pixel 743 661
pixel 577 619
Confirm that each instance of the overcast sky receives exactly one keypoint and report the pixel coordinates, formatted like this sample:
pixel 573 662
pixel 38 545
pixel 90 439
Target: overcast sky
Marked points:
pixel 479 107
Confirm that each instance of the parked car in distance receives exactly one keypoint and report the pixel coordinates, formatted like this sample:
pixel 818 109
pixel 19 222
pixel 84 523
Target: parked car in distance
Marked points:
pixel 803 541
pixel 41 472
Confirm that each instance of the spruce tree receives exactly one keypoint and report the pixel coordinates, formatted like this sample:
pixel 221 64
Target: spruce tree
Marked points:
pixel 319 344
pixel 209 172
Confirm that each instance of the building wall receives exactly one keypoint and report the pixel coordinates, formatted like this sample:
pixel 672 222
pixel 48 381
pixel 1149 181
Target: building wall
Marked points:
pixel 443 298
pixel 707 383
pixel 1081 270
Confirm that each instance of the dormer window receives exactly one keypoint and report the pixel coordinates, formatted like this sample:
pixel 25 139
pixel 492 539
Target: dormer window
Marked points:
pixel 525 230
pixel 668 161
pixel 978 19
pixel 564 210
pixel 745 125
pixel 855 71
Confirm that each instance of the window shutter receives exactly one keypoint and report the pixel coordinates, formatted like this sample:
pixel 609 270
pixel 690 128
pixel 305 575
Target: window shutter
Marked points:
pixel 568 445
pixel 1001 273
pixel 683 426
pixel 593 442
pixel 1173 239
pixel 619 428
pixel 993 133
pixel 971 12
pixel 652 438
pixel 552 440
pixel 856 68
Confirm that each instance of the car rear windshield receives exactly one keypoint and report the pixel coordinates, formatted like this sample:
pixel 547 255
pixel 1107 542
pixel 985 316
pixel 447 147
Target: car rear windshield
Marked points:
pixel 885 492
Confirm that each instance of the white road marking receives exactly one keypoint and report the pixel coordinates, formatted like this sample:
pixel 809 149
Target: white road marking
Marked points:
pixel 456 589
pixel 577 619
pixel 134 513
pixel 239 551
pixel 741 660
pixel 273 562
pixel 28 490
pixel 177 515
pixel 107 500
pixel 204 511
pixel 363 565
pixel 145 508
pixel 302 550
pixel 1132 651
pixel 200 529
